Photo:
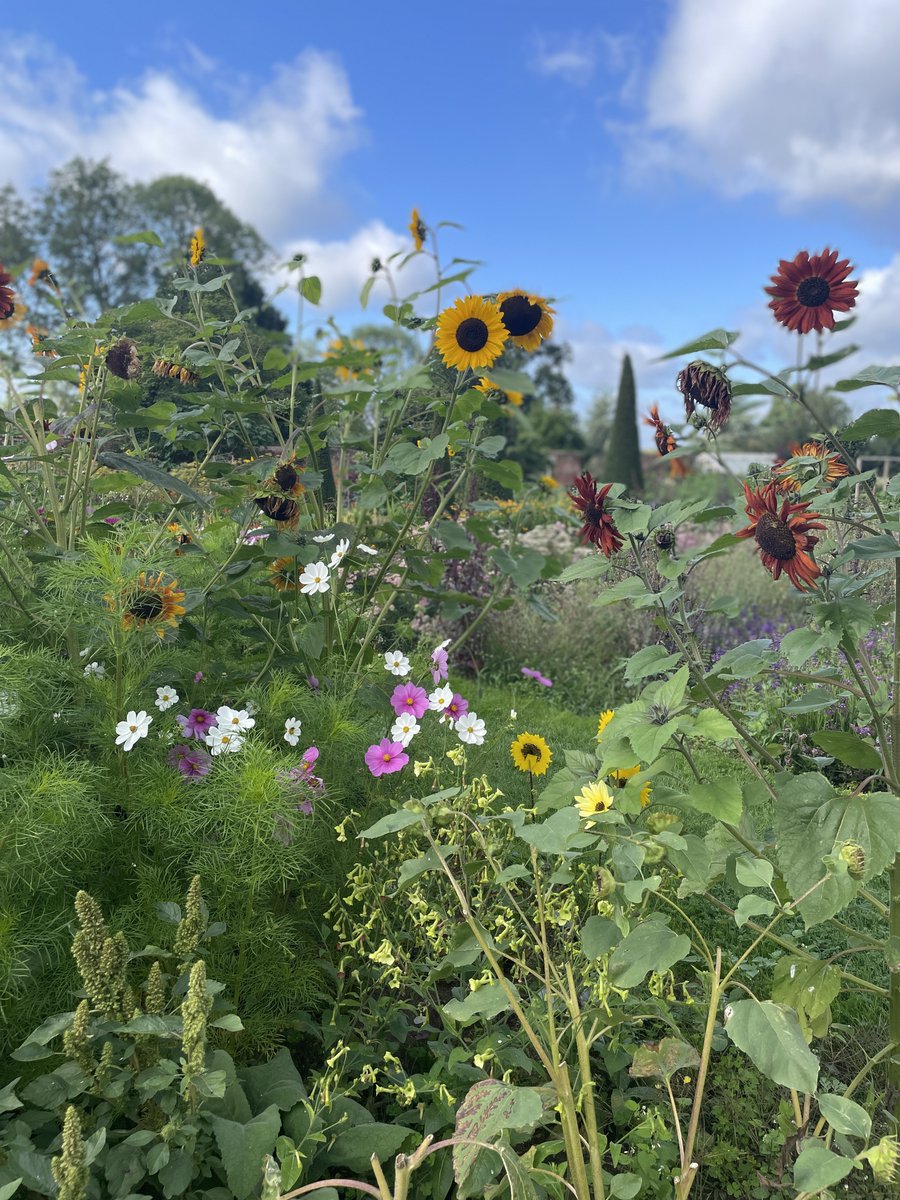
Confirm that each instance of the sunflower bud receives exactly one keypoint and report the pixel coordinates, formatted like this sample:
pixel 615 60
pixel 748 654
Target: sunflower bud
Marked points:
pixel 854 856
pixel 376 265
pixel 658 822
pixel 654 853
pixel 70 1168
pixel 704 384
pixel 605 881
pixel 122 359
pixel 883 1158
pixel 665 537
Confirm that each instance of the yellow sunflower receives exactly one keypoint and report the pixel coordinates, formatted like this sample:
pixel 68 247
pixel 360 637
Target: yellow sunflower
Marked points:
pixel 198 247
pixel 417 229
pixel 528 319
pixel 470 334
pixel 621 776
pixel 548 483
pixel 283 574
pixel 531 753
pixel 154 603
pixel 604 720
pixel 486 386
pixel 593 798
pixel 338 347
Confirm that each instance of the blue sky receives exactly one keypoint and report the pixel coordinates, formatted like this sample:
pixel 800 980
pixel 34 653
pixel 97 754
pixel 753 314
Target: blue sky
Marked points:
pixel 645 163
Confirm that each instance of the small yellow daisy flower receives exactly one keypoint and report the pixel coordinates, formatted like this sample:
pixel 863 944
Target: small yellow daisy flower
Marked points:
pixel 198 247
pixel 593 798
pixel 604 720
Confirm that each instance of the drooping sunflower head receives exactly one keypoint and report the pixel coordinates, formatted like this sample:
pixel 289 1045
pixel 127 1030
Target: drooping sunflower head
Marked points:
pixel 7 296
pixel 808 290
pixel 40 272
pixel 285 479
pixel 152 603
pixel 198 247
pixel 470 334
pixel 599 528
pixel 531 753
pixel 794 472
pixel 488 388
pixel 122 359
pixel 662 434
pixel 702 383
pixel 783 535
pixel 528 319
pixel 603 720
pixel 594 798
pixel 417 229
pixel 283 574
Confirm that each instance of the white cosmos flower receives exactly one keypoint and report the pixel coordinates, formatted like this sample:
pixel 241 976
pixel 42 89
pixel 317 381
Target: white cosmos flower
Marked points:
pixel 135 726
pixel 366 549
pixel 339 551
pixel 404 729
pixel 234 720
pixel 471 729
pixel 396 662
pixel 292 730
pixel 223 741
pixel 440 698
pixel 321 538
pixel 166 697
pixel 96 669
pixel 313 578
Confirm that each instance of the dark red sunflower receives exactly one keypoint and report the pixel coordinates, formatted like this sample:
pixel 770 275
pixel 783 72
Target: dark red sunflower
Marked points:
pixel 783 535
pixel 7 299
pixel 791 474
pixel 599 528
pixel 663 436
pixel 707 385
pixel 808 291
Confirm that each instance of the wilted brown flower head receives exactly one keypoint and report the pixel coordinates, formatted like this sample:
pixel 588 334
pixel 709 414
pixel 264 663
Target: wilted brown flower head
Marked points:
pixel 663 436
pixel 7 299
pixel 807 291
pixel 707 385
pixel 599 528
pixel 122 359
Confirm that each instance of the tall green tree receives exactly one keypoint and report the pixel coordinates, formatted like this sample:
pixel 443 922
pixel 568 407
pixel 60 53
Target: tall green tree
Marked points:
pixel 623 454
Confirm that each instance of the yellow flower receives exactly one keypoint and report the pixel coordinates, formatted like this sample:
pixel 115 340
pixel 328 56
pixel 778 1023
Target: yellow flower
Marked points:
pixel 548 483
pixel 39 272
pixel 470 334
pixel 604 720
pixel 531 753
pixel 152 602
pixel 486 386
pixel 283 574
pixel 528 319
pixel 417 229
pixel 198 247
pixel 593 798
pixel 621 776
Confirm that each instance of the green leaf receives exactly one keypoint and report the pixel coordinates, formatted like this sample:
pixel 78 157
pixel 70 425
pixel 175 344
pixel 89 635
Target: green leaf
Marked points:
pixel 506 472
pixel 557 833
pixel 491 446
pixel 721 799
pixel 598 936
pixel 489 1108
pixel 625 1186
pixel 651 946
pixel 712 724
pixel 146 236
pixel 392 823
pixel 242 1148
pixel 815 700
pixel 800 645
pixel 629 588
pixel 817 1168
pixel 651 660
pixel 8 1190
pixel 809 986
pixel 886 376
pixel 231 1023
pixel 311 288
pixel 716 339
pixel 353 1148
pixel 523 570
pixel 770 1035
pixel 694 862
pixel 849 748
pixel 511 381
pixel 406 458
pixel 485 1002
pixel 813 822
pixel 590 567
pixel 750 906
pixel 660 1060
pixel 753 872
pixel 845 1116
pixel 145 470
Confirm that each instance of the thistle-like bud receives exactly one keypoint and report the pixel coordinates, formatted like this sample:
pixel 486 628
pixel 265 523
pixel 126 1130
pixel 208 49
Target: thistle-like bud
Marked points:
pixel 707 385
pixel 194 1014
pixel 122 359
pixel 883 1158
pixel 70 1167
pixel 658 821
pixel 854 856
pixel 77 1039
pixel 605 881
pixel 665 537
pixel 155 991
pixel 192 925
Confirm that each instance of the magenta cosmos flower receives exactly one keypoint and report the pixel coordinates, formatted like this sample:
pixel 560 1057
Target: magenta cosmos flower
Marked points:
pixel 386 758
pixel 192 761
pixel 197 723
pixel 439 662
pixel 407 698
pixel 530 673
pixel 456 708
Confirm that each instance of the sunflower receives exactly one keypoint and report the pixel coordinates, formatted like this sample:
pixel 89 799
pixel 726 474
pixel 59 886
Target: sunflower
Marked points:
pixel 40 272
pixel 122 359
pixel 486 386
pixel 791 474
pixel 7 300
pixel 531 753
pixel 593 798
pixel 470 334
pixel 154 603
pixel 603 720
pixel 165 368
pixel 621 776
pixel 528 319
pixel 198 247
pixel 417 229
pixel 783 536
pixel 599 528
pixel 702 383
pixel 808 291
pixel 548 483
pixel 665 441
pixel 338 347
pixel 283 574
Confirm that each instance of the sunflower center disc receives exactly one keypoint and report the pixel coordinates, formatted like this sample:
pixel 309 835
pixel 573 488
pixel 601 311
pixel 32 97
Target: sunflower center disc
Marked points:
pixel 286 477
pixel 530 750
pixel 593 515
pixel 472 335
pixel 775 537
pixel 813 292
pixel 520 316
pixel 145 606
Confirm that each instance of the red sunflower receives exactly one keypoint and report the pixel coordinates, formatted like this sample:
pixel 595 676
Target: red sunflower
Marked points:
pixel 808 291
pixel 663 436
pixel 783 536
pixel 599 528
pixel 791 474
pixel 7 299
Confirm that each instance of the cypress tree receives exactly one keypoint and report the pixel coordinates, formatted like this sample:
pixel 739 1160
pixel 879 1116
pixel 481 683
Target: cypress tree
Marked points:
pixel 623 454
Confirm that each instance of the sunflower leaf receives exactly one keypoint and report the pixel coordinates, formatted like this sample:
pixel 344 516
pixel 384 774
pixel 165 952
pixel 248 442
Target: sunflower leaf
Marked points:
pixel 716 339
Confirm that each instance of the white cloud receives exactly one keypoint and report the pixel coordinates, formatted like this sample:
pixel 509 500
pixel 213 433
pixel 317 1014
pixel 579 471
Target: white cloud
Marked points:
pixel 597 354
pixel 571 60
pixel 269 159
pixel 802 98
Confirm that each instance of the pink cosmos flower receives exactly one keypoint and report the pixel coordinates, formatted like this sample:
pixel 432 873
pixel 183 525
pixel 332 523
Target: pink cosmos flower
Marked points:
pixel 537 677
pixel 439 662
pixel 192 761
pixel 198 723
pixel 456 708
pixel 408 698
pixel 198 676
pixel 386 757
